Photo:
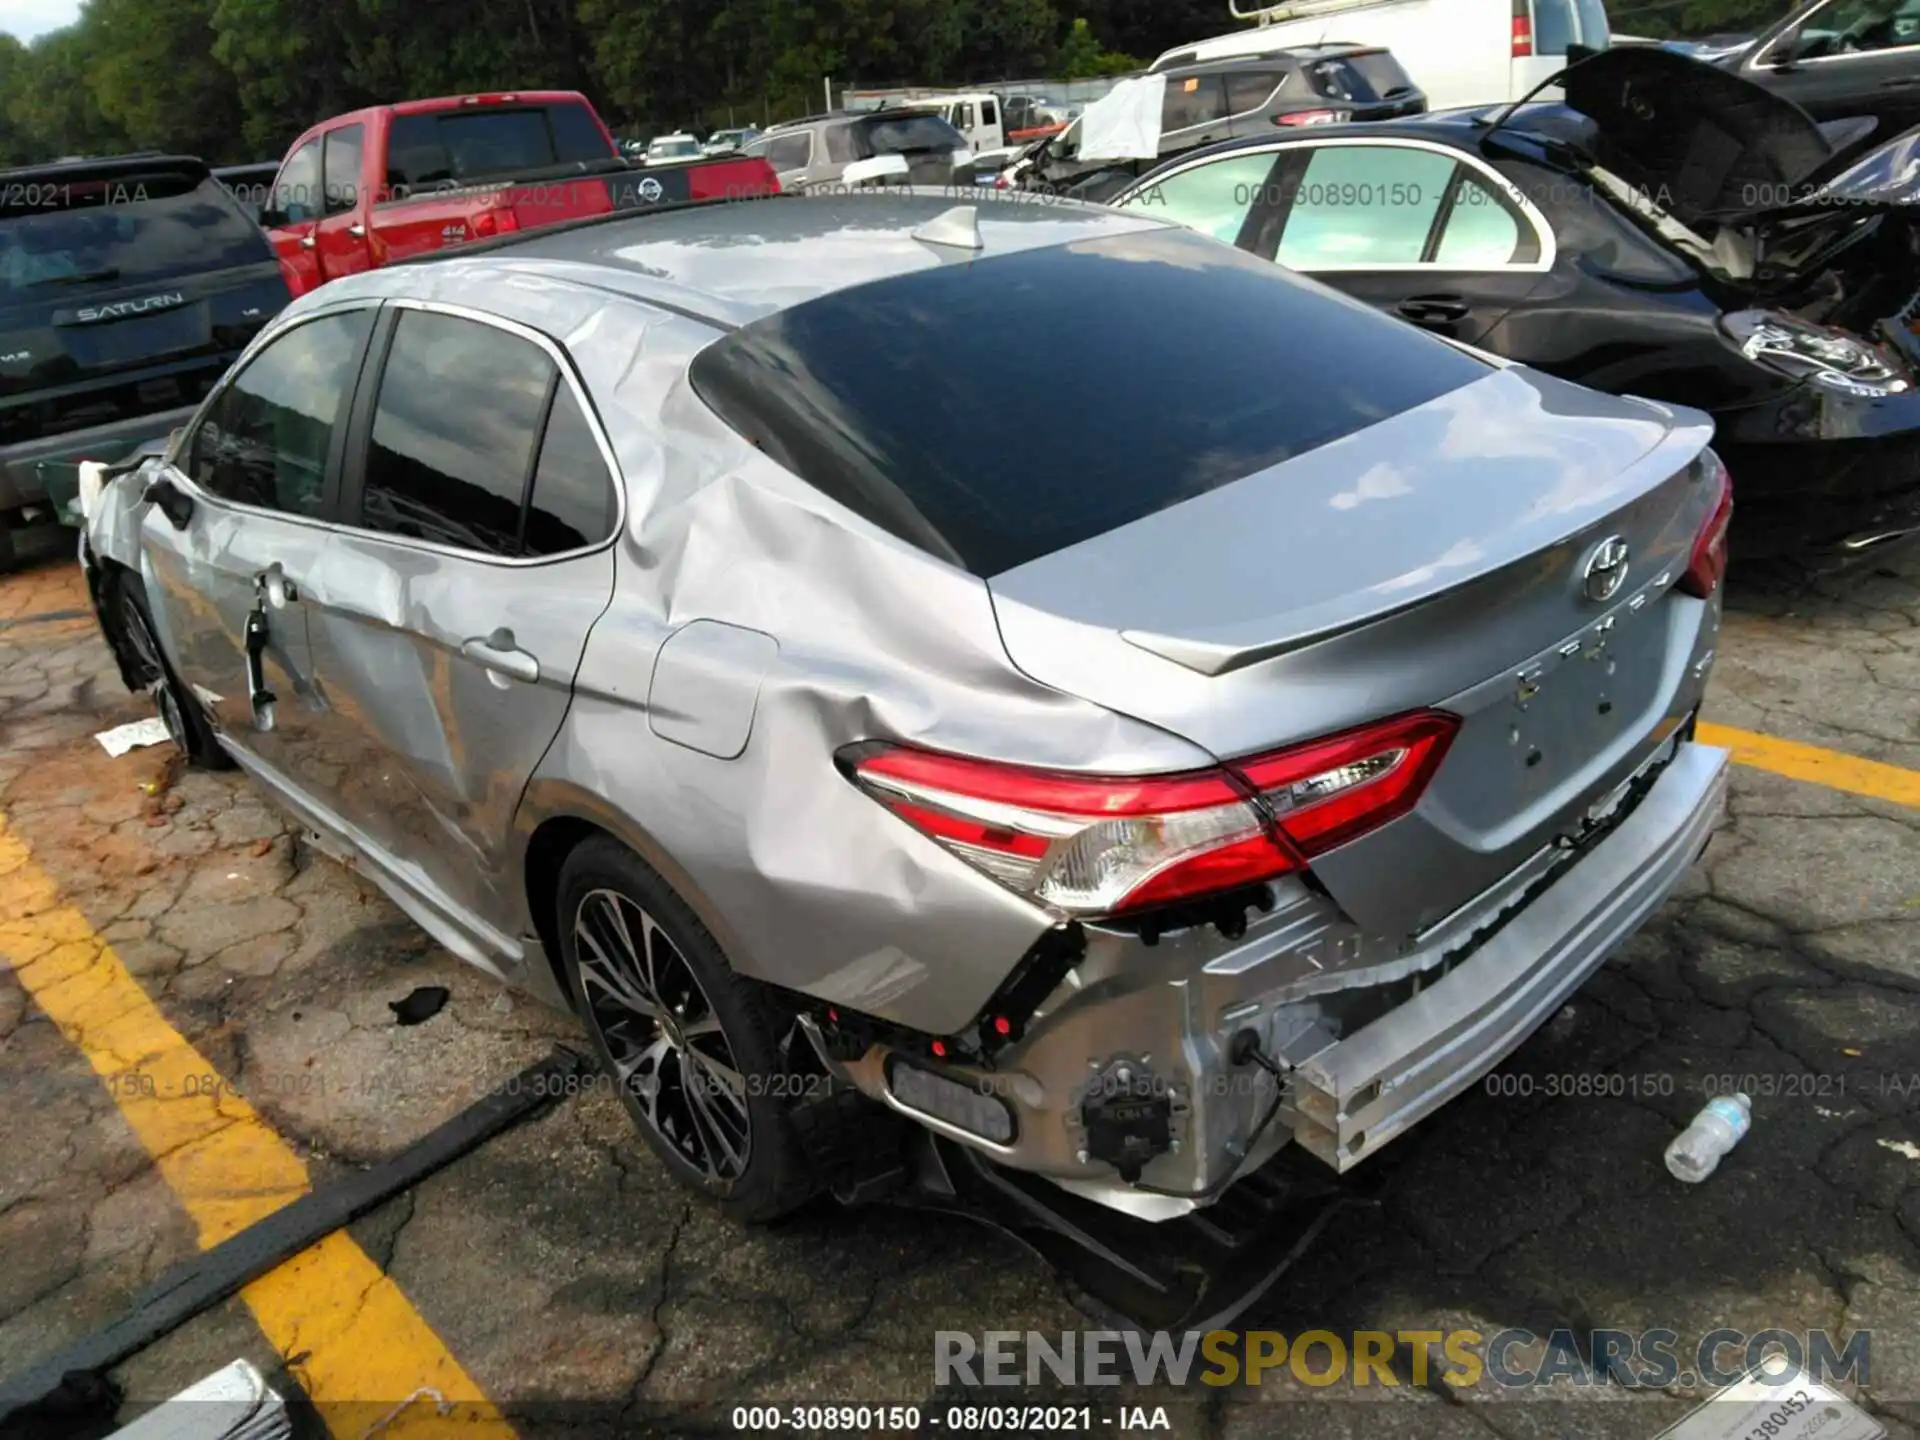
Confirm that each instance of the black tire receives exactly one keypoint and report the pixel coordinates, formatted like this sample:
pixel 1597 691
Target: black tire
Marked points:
pixel 728 1134
pixel 179 708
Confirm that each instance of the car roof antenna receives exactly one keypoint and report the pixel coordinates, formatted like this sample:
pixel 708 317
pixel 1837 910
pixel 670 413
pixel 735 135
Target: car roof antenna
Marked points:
pixel 1554 79
pixel 958 228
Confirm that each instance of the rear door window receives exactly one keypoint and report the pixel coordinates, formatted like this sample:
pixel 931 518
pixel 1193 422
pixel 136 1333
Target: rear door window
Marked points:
pixel 266 439
pixel 1357 207
pixel 1483 230
pixel 795 152
pixel 1193 100
pixel 572 504
pixel 874 394
pixel 1214 198
pixel 454 428
pixel 119 228
pixel 340 167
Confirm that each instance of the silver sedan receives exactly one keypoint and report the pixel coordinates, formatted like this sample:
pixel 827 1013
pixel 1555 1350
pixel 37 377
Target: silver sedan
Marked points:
pixel 1028 669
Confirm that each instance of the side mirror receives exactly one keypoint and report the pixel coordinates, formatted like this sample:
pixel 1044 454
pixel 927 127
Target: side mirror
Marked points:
pixel 171 501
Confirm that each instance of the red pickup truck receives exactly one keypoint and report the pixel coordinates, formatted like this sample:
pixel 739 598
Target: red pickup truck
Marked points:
pixel 373 186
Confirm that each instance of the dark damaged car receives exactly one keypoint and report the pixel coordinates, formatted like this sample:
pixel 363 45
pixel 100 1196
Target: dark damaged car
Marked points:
pixel 127 286
pixel 1669 231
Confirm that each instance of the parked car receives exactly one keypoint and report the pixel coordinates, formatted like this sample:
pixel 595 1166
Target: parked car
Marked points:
pixel 990 120
pixel 678 146
pixel 250 185
pixel 127 285
pixel 1837 59
pixel 726 142
pixel 868 147
pixel 373 186
pixel 617 600
pixel 1585 240
pixel 1460 52
pixel 1219 99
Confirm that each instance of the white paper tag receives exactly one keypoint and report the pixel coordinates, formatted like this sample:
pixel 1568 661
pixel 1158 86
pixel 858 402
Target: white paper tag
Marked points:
pixel 122 738
pixel 1794 1408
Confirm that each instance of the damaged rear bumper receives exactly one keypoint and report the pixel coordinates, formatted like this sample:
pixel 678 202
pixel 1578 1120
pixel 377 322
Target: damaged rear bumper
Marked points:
pixel 1372 1035
pixel 1358 1094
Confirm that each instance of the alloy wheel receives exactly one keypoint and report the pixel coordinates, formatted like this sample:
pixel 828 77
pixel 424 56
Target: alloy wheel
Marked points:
pixel 670 1052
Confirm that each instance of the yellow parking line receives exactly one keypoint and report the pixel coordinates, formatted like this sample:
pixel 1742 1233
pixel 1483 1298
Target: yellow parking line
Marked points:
pixel 1821 767
pixel 356 1342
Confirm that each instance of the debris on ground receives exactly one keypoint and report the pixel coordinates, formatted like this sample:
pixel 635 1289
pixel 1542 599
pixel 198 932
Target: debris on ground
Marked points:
pixel 140 733
pixel 422 1004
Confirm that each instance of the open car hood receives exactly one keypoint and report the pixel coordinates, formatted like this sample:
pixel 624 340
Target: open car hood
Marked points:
pixel 1699 141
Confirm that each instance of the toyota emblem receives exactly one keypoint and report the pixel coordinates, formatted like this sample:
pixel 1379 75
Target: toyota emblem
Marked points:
pixel 651 190
pixel 1606 569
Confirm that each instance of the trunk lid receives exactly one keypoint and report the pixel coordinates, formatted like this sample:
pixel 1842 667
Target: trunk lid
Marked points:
pixel 1439 558
pixel 126 288
pixel 1697 140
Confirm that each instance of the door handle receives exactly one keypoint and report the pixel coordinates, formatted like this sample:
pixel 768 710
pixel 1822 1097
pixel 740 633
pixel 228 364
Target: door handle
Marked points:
pixel 274 588
pixel 1433 309
pixel 357 231
pixel 307 242
pixel 502 659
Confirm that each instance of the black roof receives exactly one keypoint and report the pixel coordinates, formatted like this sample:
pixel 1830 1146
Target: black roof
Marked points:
pixel 107 166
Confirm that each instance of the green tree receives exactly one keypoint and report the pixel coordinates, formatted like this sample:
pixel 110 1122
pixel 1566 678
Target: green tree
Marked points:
pixel 152 76
pixel 1080 55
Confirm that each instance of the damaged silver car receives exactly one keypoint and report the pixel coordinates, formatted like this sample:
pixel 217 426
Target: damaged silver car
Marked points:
pixel 1250 737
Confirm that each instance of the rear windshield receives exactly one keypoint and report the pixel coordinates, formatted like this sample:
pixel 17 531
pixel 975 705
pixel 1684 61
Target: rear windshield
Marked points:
pixel 74 231
pixel 486 141
pixel 999 411
pixel 1362 79
pixel 907 134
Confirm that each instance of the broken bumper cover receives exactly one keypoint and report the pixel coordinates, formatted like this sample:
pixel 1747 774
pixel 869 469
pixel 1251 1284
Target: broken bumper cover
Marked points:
pixel 1416 1025
pixel 1358 1094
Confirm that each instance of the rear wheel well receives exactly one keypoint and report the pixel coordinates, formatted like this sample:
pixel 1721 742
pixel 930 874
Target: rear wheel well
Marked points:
pixel 547 850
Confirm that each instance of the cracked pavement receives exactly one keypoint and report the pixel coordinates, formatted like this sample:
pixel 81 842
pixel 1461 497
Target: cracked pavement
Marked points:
pixel 561 1265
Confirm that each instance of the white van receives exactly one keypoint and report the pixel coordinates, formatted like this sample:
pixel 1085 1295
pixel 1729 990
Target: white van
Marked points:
pixel 1460 52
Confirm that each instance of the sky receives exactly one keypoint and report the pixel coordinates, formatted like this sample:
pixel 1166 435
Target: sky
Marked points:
pixel 31 18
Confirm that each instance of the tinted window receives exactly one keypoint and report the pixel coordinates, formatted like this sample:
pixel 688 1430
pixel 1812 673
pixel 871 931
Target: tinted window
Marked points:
pixel 340 167
pixel 1192 101
pixel 1214 199
pixel 1481 230
pixel 297 195
pixel 128 228
pixel 572 501
pixel 577 137
pixel 453 433
pixel 1249 89
pixel 1221 364
pixel 840 146
pixel 791 152
pixel 1553 26
pixel 415 156
pixel 1361 205
pixel 266 439
pixel 987 116
pixel 1361 79
pixel 905 134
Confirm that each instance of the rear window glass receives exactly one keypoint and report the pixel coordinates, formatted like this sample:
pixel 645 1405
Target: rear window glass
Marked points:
pixel 82 230
pixel 886 396
pixel 1362 79
pixel 488 140
pixel 904 134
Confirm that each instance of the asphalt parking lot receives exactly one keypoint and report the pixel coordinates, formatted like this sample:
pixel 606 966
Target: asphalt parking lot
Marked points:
pixel 163 934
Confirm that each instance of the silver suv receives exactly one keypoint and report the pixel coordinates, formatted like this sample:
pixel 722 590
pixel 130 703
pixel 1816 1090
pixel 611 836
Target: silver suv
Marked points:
pixel 866 148
pixel 1183 764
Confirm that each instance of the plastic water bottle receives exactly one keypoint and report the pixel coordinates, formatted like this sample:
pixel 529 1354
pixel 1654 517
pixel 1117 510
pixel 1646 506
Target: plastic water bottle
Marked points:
pixel 1718 1127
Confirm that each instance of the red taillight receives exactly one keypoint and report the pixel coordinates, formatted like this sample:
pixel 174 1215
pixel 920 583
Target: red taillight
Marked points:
pixel 1307 117
pixel 1101 845
pixel 1707 565
pixel 494 222
pixel 1522 29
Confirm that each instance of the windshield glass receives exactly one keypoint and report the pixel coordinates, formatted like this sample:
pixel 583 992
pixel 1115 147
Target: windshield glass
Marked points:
pixel 82 230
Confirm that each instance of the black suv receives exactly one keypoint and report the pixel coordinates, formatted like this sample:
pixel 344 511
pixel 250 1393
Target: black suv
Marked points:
pixel 127 286
pixel 1207 102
